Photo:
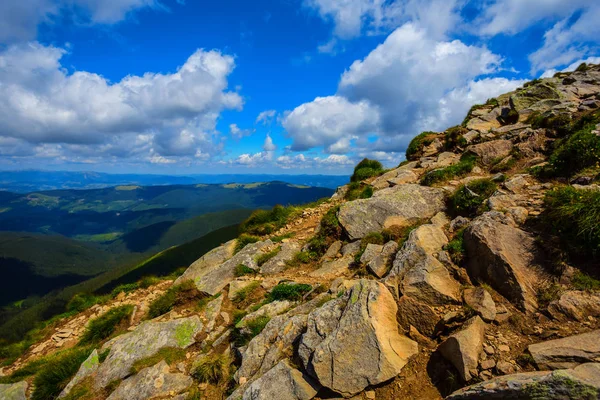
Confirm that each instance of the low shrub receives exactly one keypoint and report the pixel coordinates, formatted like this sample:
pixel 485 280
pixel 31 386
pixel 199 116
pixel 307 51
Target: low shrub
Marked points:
pixel 456 247
pixel 583 67
pixel 264 222
pixel 581 150
pixel 243 240
pixel 288 291
pixel 242 270
pixel 462 168
pixel 105 325
pixel 242 294
pixel 125 288
pixel 264 257
pixel 454 137
pixel 212 369
pixel 175 295
pixel 356 191
pixel 366 169
pixel 573 216
pixel 547 293
pixel 469 198
pixel 82 301
pixel 148 281
pixel 415 148
pixel 583 281
pixel 330 231
pixel 170 355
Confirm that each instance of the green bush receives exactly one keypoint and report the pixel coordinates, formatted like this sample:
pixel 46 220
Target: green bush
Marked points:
pixel 105 325
pixel 212 369
pixel 264 222
pixel 57 371
pixel 366 169
pixel 462 168
pixel 264 257
pixel 468 198
pixel 581 150
pixel 243 240
pixel 456 247
pixel 583 67
pixel 583 281
pixel 288 291
pixel 242 270
pixel 414 149
pixel 172 297
pixel 454 137
pixel 242 294
pixel 82 301
pixel 356 190
pixel 573 216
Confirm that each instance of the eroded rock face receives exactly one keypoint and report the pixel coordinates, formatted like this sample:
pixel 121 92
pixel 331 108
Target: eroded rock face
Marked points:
pixel 282 382
pixel 146 340
pixel 15 391
pixel 502 256
pixel 152 382
pixel 582 382
pixel 491 151
pixel 208 261
pixel 401 205
pixel 353 341
pixel 416 272
pixel 575 305
pixel 464 347
pixel 567 352
pixel 87 368
pixel 414 313
pixel 213 280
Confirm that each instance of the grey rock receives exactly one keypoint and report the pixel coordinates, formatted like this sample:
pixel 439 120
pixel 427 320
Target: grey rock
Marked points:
pixel 353 341
pixel 414 313
pixel 15 391
pixel 582 382
pixel 463 348
pixel 502 255
pixel 371 251
pixel 351 248
pixel 333 250
pixel 481 301
pixel 334 268
pixel 87 368
pixel 152 382
pixel 458 222
pixel 401 205
pixel 575 305
pixel 278 263
pixel 147 339
pixel 491 151
pixel 380 264
pixel 567 352
pixel 210 260
pixel 282 382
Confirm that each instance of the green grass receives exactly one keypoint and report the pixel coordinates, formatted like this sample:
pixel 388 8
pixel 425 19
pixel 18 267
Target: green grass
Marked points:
pixel 462 168
pixel 469 198
pixel 416 145
pixel 330 230
pixel 280 238
pixel 356 191
pixel 212 369
pixel 105 325
pixel 242 270
pixel 493 102
pixel 265 222
pixel 454 137
pixel 265 257
pixel 241 336
pixel 366 169
pixel 456 247
pixel 583 281
pixel 288 291
pixel 243 240
pixel 242 294
pixel 547 293
pixel 172 297
pixel 573 216
pixel 170 355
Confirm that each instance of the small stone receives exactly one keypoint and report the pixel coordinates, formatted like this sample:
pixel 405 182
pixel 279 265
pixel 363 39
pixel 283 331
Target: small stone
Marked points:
pixel 370 394
pixel 504 348
pixel 487 364
pixel 505 368
pixel 489 350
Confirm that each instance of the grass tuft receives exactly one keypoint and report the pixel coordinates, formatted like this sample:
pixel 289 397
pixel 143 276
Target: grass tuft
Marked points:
pixel 583 281
pixel 469 198
pixel 212 369
pixel 242 270
pixel 243 240
pixel 105 325
pixel 288 291
pixel 462 168
pixel 415 148
pixel 265 257
pixel 172 297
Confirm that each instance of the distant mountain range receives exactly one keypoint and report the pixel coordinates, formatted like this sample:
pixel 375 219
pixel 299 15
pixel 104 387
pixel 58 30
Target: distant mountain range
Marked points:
pixel 31 180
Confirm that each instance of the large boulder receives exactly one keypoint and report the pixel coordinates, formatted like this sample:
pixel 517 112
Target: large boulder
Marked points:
pixel 213 280
pixel 414 313
pixel 582 382
pixel 282 382
pixel 87 368
pixel 152 382
pixel 15 391
pixel 208 261
pixel 278 263
pixel 416 271
pixel 147 339
pixel 481 302
pixel 567 352
pixel 502 256
pixel 464 347
pixel 353 341
pixel 401 205
pixel 491 151
pixel 575 305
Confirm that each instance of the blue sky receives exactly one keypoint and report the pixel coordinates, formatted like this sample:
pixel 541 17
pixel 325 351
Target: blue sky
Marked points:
pixel 287 86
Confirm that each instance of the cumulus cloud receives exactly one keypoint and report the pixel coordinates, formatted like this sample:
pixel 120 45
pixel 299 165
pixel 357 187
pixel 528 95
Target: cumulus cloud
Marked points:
pixel 19 19
pixel 269 145
pixel 300 161
pixel 409 83
pixel 266 117
pixel 40 102
pixel 238 133
pixel 572 67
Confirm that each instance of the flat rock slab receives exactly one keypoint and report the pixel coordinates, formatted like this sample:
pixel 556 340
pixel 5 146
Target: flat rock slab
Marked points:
pixel 15 391
pixel 491 151
pixel 567 352
pixel 353 342
pixel 87 368
pixel 278 263
pixel 282 382
pixel 213 258
pixel 502 256
pixel 582 382
pixel 577 305
pixel 145 341
pixel 152 382
pixel 464 347
pixel 401 205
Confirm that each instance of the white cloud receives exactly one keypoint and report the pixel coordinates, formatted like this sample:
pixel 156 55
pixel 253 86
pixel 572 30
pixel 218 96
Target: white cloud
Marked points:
pixel 238 133
pixel 266 117
pixel 19 19
pixel 300 161
pixel 327 120
pixel 572 67
pixel 41 103
pixel 269 145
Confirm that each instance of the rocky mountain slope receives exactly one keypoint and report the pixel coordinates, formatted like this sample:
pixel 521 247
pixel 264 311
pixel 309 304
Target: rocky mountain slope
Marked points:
pixel 468 272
